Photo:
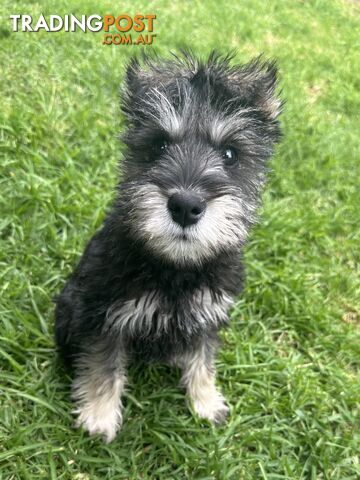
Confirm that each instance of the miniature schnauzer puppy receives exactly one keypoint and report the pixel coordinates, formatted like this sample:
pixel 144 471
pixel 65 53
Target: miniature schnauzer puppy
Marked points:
pixel 156 281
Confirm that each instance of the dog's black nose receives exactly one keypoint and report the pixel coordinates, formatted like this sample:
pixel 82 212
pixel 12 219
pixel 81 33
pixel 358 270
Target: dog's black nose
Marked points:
pixel 186 208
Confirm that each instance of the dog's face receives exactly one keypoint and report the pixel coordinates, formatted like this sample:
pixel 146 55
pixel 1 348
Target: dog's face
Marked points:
pixel 198 139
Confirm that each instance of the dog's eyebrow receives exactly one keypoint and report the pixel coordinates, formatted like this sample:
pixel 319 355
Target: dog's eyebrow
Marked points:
pixel 221 128
pixel 163 112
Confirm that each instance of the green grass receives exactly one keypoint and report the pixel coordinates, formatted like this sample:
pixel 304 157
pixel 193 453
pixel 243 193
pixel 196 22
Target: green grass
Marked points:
pixel 289 364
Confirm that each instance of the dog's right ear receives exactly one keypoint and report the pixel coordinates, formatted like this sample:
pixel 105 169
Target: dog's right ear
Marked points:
pixel 147 73
pixel 132 87
pixel 134 77
pixel 141 76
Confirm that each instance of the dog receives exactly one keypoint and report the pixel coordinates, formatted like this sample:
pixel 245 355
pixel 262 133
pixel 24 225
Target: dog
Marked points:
pixel 155 283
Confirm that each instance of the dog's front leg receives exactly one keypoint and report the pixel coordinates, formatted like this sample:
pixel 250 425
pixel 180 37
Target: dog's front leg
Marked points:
pixel 199 379
pixel 97 388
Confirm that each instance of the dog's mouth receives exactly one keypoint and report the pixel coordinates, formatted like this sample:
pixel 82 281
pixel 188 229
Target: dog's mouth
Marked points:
pixel 185 234
pixel 182 236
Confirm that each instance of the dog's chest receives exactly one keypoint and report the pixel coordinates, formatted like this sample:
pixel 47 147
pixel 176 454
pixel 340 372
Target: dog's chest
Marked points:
pixel 167 323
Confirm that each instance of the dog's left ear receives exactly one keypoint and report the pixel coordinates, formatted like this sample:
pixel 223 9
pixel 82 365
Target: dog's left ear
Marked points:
pixel 256 82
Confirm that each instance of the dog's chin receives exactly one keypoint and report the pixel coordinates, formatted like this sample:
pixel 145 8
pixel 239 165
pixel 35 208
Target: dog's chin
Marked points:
pixel 183 250
pixel 182 246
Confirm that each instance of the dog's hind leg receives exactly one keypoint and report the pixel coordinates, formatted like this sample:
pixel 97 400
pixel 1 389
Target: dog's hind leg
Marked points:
pixel 199 379
pixel 97 388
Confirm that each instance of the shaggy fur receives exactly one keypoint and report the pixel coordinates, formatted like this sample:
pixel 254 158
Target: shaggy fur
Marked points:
pixel 156 282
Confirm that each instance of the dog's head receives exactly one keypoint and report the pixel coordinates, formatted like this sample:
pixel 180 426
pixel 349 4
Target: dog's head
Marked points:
pixel 198 137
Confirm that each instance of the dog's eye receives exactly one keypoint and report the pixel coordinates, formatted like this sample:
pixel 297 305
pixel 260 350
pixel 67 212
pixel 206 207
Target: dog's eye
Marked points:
pixel 160 145
pixel 230 156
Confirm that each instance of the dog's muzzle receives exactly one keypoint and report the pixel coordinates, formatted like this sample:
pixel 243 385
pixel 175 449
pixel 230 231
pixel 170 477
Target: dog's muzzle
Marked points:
pixel 186 208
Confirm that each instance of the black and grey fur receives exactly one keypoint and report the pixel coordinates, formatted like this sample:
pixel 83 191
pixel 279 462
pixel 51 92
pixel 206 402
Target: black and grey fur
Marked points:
pixel 156 282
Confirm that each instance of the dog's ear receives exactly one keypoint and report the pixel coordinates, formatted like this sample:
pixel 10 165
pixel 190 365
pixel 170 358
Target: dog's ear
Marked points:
pixel 132 86
pixel 142 74
pixel 256 82
pixel 138 73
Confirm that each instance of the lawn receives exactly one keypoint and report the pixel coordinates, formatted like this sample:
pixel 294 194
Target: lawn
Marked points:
pixel 289 363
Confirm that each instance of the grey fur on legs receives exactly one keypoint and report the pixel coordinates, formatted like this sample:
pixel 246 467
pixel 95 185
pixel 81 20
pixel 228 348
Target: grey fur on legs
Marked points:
pixel 97 388
pixel 198 377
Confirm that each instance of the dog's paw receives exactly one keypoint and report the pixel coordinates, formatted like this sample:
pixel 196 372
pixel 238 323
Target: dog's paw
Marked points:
pixel 100 421
pixel 213 408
